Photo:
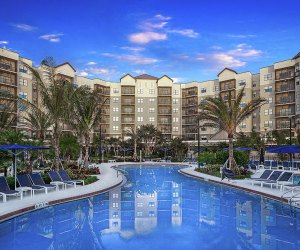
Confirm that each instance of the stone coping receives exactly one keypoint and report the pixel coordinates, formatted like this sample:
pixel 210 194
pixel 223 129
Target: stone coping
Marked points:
pixel 107 180
pixel 244 185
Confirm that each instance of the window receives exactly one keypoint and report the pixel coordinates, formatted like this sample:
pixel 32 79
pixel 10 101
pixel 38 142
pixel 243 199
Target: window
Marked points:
pixel 151 100
pixel 23 69
pixel 175 129
pixel 175 101
pixel 175 195
pixel 115 99
pixel 268 89
pixel 116 118
pixel 216 88
pixel 151 110
pixel 115 215
pixel 140 110
pixel 23 95
pixel 175 110
pixel 203 129
pixel 140 91
pixel 151 204
pixel 242 83
pixel 175 119
pixel 203 90
pixel 151 91
pixel 204 138
pixel 176 92
pixel 115 128
pixel 115 109
pixel 139 214
pixel 139 204
pixel 151 119
pixel 242 125
pixel 298 107
pixel 23 82
pixel 242 105
pixel 254 85
pixel 140 100
pixel 115 195
pixel 140 119
pixel 254 94
pixel 115 90
pixel 269 100
pixel 267 77
pixel 268 124
pixel 115 204
pixel 268 111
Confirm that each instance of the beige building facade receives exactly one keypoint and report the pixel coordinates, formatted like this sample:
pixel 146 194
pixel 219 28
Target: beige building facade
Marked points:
pixel 171 107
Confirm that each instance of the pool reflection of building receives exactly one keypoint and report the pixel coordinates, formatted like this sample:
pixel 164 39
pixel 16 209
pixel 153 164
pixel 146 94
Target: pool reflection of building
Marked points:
pixel 139 209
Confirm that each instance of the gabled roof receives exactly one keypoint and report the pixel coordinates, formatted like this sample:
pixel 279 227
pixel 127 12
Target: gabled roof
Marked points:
pixel 227 69
pixel 145 76
pixel 65 64
pixel 167 77
pixel 296 56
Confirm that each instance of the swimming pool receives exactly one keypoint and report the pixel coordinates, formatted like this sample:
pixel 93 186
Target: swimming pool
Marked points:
pixel 158 208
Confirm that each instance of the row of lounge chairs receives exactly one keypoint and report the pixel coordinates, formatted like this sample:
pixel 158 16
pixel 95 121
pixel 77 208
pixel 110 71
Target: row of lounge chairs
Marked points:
pixel 274 164
pixel 34 182
pixel 278 179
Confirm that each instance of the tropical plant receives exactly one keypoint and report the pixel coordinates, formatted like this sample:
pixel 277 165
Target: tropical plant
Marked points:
pixel 179 148
pixel 69 146
pixel 86 114
pixel 150 137
pixel 227 115
pixel 134 136
pixel 58 96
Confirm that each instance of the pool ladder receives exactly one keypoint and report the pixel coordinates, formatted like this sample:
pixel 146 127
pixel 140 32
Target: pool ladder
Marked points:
pixel 122 171
pixel 293 198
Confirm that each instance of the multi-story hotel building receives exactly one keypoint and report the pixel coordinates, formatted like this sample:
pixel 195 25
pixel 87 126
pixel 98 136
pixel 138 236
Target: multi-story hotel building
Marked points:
pixel 171 107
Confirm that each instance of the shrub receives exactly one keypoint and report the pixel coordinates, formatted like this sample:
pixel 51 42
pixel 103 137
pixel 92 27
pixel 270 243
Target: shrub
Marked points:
pixel 241 157
pixel 10 181
pixel 206 157
pixel 90 179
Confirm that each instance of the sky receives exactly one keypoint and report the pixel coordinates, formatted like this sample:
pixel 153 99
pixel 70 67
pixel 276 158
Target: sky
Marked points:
pixel 188 40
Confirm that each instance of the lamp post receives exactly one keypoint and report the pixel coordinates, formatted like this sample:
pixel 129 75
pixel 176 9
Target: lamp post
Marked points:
pixel 198 138
pixel 100 143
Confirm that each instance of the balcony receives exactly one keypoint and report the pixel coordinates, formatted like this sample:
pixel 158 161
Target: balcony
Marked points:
pixel 126 110
pixel 284 74
pixel 7 66
pixel 128 102
pixel 227 87
pixel 285 87
pixel 285 112
pixel 129 91
pixel 128 120
pixel 164 91
pixel 164 111
pixel 285 100
pixel 164 121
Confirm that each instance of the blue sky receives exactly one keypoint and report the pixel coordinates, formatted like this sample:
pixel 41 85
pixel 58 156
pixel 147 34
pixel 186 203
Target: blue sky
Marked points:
pixel 186 40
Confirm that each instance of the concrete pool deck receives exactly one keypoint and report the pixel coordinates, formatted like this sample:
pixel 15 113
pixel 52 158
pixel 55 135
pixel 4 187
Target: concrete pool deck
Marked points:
pixel 108 179
pixel 244 185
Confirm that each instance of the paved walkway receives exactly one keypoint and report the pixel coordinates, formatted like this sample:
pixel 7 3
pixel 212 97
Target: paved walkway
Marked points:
pixel 245 184
pixel 106 180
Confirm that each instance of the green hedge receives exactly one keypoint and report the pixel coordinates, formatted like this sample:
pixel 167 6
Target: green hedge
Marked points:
pixel 220 157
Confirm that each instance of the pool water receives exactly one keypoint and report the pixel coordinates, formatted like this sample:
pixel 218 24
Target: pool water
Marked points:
pixel 158 208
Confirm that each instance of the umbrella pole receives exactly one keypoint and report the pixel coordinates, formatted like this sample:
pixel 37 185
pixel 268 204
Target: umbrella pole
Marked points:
pixel 15 168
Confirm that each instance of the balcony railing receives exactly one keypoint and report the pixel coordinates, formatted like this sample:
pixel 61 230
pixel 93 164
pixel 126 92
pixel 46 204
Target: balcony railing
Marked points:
pixel 127 102
pixel 164 121
pixel 165 111
pixel 285 87
pixel 285 100
pixel 127 111
pixel 8 67
pixel 227 87
pixel 285 113
pixel 127 91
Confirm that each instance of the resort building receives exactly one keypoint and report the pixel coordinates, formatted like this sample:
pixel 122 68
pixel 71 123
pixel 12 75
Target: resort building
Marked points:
pixel 171 107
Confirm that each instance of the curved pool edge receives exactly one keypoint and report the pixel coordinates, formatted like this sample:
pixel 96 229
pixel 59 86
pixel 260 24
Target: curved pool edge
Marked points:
pixel 217 180
pixel 16 207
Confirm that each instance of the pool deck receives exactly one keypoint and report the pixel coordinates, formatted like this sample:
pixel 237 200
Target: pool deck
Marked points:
pixel 244 185
pixel 108 179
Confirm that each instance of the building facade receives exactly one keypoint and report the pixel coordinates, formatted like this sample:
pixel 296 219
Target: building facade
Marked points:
pixel 171 107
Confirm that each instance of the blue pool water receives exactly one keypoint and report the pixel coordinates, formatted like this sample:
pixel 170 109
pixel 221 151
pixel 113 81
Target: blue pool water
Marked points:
pixel 158 208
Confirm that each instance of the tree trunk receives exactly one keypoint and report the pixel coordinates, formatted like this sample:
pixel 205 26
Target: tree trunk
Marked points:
pixel 56 162
pixel 87 148
pixel 230 151
pixel 135 150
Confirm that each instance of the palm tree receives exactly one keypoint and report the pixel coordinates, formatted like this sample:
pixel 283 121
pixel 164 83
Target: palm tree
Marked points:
pixel 58 96
pixel 134 136
pixel 86 113
pixel 179 148
pixel 227 115
pixel 150 136
pixel 8 106
pixel 39 121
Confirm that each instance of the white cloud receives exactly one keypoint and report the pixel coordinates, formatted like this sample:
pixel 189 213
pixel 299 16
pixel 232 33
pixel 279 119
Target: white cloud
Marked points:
pixel 54 38
pixel 178 79
pixel 24 27
pixel 3 42
pixel 139 71
pixel 133 49
pixel 162 18
pixel 99 71
pixel 146 37
pixel 83 73
pixel 132 59
pixel 241 35
pixel 185 32
pixel 91 63
pixel 235 58
pixel 152 25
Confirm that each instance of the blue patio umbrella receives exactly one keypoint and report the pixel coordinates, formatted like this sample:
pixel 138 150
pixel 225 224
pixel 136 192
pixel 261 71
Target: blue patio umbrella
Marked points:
pixel 262 156
pixel 238 149
pixel 15 150
pixel 284 149
pixel 165 150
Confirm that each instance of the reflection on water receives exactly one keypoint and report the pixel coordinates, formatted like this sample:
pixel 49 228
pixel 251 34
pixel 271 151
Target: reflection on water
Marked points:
pixel 158 209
